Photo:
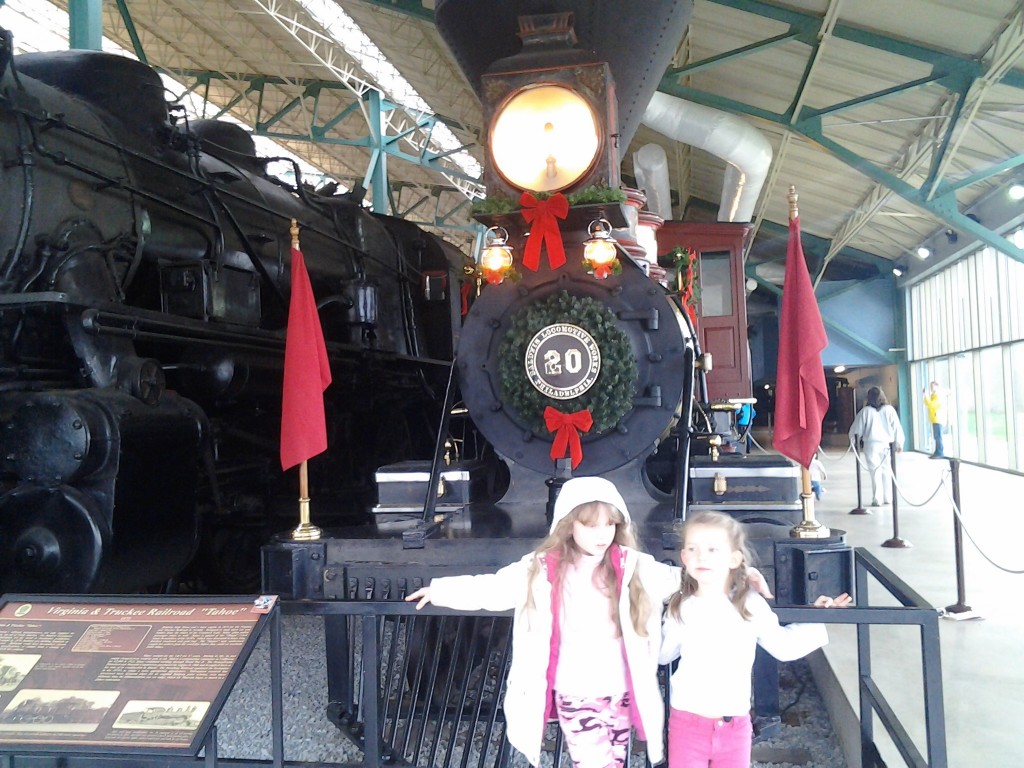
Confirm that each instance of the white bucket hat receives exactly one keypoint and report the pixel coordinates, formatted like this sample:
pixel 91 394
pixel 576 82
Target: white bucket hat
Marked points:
pixel 581 490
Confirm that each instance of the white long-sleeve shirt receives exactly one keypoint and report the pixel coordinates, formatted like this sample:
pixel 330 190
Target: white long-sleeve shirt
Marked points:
pixel 881 425
pixel 588 634
pixel 715 647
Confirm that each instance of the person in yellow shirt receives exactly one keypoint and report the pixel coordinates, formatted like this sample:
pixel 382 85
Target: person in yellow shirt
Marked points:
pixel 935 403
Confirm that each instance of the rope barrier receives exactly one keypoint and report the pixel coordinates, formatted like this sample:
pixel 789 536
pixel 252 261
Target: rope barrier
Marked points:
pixel 862 460
pixel 943 484
pixel 825 456
pixel 963 525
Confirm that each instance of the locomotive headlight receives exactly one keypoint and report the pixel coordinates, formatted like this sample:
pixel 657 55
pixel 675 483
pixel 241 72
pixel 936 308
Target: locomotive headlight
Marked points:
pixel 544 138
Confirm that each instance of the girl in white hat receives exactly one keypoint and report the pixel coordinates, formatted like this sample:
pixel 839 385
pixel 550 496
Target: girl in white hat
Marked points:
pixel 586 629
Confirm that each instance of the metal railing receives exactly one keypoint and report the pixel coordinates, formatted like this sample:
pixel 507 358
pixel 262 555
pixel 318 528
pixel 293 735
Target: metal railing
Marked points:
pixel 433 692
pixel 913 610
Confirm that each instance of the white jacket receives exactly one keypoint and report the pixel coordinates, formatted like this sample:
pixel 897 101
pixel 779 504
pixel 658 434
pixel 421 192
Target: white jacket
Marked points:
pixel 878 425
pixel 526 688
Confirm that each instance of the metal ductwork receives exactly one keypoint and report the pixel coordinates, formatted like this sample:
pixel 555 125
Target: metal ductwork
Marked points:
pixel 650 166
pixel 630 38
pixel 746 151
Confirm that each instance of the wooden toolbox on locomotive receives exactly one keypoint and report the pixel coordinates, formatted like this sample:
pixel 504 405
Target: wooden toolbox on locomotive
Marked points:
pixel 744 479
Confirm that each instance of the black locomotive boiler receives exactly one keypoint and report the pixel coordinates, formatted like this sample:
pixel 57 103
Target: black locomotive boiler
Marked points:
pixel 144 284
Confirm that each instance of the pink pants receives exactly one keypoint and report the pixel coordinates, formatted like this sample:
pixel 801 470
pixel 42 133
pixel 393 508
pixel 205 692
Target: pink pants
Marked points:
pixel 704 742
pixel 596 730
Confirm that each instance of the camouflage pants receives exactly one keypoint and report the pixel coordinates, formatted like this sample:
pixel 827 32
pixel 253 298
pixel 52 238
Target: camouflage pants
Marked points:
pixel 596 730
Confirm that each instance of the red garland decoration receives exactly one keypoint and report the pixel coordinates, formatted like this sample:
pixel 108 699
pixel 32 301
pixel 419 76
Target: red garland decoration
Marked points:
pixel 567 428
pixel 686 284
pixel 543 215
pixel 601 271
pixel 494 276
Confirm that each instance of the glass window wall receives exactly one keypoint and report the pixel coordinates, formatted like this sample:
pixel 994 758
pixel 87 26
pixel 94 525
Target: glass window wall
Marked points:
pixel 966 332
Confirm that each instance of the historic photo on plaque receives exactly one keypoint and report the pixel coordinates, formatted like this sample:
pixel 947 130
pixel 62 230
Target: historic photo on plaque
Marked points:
pixel 162 714
pixel 14 667
pixel 56 711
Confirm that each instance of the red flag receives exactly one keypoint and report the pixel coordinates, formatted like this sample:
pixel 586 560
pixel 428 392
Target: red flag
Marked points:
pixel 800 395
pixel 307 373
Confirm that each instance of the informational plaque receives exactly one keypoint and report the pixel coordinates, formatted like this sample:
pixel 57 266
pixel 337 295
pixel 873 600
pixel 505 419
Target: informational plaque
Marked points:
pixel 120 674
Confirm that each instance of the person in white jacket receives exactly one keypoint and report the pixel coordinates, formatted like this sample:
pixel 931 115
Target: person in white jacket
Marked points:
pixel 586 629
pixel 877 426
pixel 713 623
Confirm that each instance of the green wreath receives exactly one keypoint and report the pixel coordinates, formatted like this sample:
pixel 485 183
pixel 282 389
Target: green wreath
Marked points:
pixel 611 396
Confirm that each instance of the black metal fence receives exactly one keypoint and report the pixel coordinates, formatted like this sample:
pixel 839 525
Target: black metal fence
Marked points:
pixel 432 695
pixel 424 688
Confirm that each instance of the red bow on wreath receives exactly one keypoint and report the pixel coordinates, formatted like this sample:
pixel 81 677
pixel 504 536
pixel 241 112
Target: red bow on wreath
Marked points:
pixel 542 214
pixel 567 428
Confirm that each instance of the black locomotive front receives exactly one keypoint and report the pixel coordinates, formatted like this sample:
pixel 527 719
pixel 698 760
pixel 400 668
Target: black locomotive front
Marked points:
pixel 144 283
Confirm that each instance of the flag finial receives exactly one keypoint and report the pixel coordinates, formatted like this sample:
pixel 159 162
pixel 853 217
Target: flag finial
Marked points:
pixel 294 231
pixel 793 197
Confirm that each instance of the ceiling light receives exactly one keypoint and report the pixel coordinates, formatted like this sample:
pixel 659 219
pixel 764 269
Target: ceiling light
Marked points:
pixel 1016 192
pixel 897 271
pixel 951 236
pixel 839 369
pixel 923 253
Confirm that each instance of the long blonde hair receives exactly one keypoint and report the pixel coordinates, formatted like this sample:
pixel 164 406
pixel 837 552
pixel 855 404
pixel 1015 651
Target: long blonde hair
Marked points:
pixel 738 584
pixel 561 543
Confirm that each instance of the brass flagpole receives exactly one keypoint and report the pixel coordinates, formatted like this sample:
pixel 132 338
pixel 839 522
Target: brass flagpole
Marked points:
pixel 305 531
pixel 808 528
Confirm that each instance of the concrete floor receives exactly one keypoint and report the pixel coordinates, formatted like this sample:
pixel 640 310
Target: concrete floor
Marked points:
pixel 982 664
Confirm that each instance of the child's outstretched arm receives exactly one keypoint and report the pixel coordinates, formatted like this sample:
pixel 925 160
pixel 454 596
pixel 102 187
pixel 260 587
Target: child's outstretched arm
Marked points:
pixel 839 601
pixel 758 582
pixel 481 592
pixel 422 594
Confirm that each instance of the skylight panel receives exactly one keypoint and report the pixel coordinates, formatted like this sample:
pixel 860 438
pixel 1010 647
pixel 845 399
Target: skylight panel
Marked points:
pixel 373 61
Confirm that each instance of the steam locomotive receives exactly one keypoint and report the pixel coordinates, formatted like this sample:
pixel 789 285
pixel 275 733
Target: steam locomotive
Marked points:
pixel 144 284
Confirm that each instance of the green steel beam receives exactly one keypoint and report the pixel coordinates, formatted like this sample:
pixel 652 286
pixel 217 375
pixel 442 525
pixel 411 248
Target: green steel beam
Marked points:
pixel 943 206
pixel 819 247
pixel 842 330
pixel 871 97
pixel 949 62
pixel 412 8
pixel 85 25
pixel 905 394
pixel 258 82
pixel 133 34
pixel 955 73
pixel 442 220
pixel 312 89
pixel 746 50
pixel 376 178
pixel 993 170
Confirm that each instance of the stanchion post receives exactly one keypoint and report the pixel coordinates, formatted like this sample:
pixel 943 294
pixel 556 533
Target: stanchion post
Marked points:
pixel 958 542
pixel 859 509
pixel 895 542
